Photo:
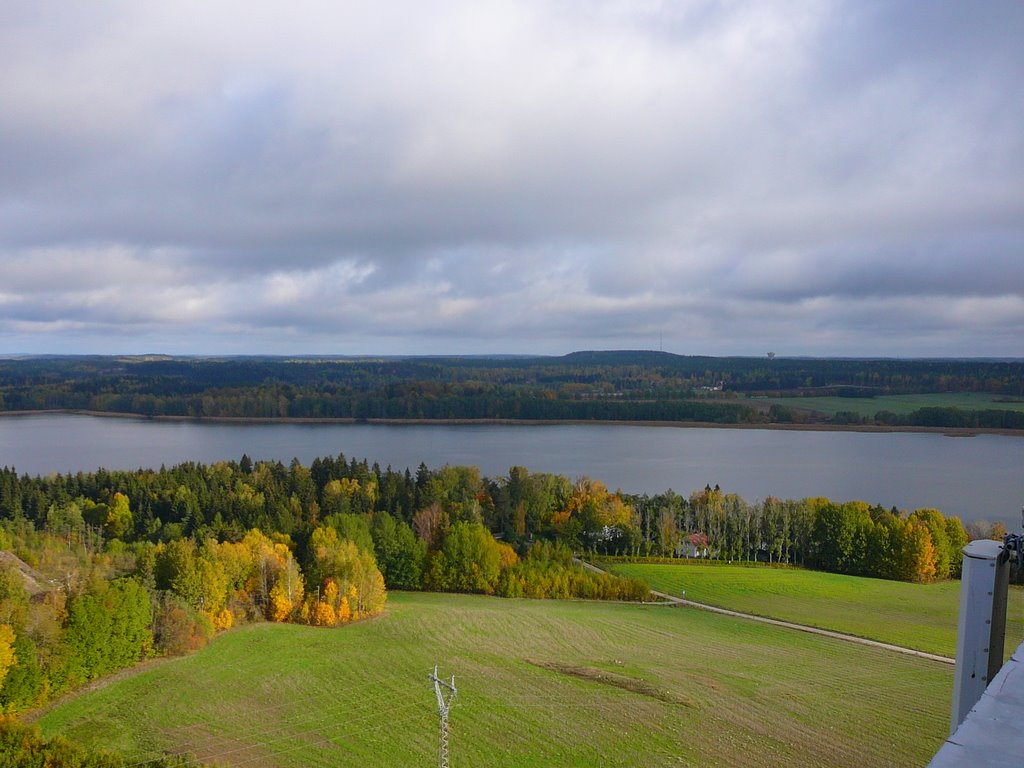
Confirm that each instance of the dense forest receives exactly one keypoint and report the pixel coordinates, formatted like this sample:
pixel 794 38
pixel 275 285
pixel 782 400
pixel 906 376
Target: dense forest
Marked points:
pixel 100 570
pixel 406 519
pixel 631 386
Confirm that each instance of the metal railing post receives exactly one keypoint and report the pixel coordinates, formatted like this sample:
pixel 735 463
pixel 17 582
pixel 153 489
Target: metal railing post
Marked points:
pixel 981 628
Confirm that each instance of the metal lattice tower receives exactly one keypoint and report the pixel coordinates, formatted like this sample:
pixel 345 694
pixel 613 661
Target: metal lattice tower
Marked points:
pixel 445 691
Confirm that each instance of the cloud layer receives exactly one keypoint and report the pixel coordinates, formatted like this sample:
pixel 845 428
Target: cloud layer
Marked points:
pixel 720 177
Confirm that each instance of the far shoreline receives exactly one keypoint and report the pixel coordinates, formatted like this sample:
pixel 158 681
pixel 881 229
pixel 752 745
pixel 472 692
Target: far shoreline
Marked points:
pixel 264 420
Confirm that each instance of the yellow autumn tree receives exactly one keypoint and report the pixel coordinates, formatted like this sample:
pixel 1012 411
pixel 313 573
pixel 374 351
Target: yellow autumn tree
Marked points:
pixel 239 569
pixel 236 558
pixel 213 590
pixel 7 656
pixel 330 593
pixel 916 552
pixel 332 608
pixel 275 579
pixel 263 564
pixel 590 508
pixel 223 619
pixel 325 615
pixel 924 566
pixel 354 570
pixel 326 607
pixel 119 516
pixel 508 555
pixel 344 611
pixel 347 494
pixel 367 591
pixel 280 606
pixel 288 589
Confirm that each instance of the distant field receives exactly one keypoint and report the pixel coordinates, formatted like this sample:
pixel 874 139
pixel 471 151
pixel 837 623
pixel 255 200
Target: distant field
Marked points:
pixel 898 404
pixel 921 616
pixel 541 683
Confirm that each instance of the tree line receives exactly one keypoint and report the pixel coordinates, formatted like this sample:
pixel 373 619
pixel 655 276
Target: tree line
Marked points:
pixel 851 537
pixel 633 386
pixel 954 418
pixel 403 518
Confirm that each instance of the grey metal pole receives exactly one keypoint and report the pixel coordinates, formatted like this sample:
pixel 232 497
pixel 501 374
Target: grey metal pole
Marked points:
pixel 981 628
pixel 445 691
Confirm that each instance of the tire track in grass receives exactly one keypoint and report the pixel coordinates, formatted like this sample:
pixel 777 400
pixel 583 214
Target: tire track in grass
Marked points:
pixel 672 599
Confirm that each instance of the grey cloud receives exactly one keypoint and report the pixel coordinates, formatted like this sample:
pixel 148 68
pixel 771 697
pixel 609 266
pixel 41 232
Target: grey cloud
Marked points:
pixel 518 173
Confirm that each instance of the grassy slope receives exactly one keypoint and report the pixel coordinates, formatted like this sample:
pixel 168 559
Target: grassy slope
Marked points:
pixel 900 404
pixel 921 616
pixel 624 685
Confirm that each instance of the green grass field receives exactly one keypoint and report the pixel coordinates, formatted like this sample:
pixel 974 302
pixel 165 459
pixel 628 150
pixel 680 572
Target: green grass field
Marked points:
pixel 541 683
pixel 921 616
pixel 898 404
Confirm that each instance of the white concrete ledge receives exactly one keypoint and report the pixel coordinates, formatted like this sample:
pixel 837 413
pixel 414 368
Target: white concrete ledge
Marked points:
pixel 992 735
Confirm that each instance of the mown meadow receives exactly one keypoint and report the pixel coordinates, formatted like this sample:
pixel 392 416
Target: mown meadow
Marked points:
pixel 919 616
pixel 540 683
pixel 901 405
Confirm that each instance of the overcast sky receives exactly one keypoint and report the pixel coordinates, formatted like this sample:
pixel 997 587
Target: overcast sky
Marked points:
pixel 808 178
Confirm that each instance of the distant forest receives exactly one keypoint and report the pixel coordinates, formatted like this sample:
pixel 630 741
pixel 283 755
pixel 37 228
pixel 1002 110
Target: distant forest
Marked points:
pixel 599 386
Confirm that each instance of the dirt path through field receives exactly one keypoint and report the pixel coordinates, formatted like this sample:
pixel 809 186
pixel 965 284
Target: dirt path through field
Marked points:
pixel 789 625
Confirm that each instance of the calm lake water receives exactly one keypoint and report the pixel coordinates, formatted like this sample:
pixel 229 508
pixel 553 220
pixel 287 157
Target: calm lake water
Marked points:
pixel 978 477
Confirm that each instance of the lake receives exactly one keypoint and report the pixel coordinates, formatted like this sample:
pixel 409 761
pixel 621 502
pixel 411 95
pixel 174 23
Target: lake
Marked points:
pixel 977 478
